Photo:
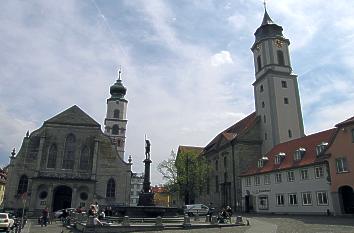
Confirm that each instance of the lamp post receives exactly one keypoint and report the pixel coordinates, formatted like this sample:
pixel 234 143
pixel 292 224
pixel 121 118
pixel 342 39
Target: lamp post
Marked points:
pixel 187 189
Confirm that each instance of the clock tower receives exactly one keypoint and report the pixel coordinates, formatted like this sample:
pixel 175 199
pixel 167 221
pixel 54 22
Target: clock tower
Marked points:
pixel 275 89
pixel 116 117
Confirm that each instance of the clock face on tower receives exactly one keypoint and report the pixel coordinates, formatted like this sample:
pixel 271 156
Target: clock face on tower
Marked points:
pixel 278 43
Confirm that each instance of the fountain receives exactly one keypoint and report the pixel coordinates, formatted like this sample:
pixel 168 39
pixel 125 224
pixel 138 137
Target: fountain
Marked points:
pixel 146 206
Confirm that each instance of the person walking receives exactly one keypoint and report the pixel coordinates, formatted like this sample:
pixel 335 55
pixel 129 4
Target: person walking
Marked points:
pixel 45 215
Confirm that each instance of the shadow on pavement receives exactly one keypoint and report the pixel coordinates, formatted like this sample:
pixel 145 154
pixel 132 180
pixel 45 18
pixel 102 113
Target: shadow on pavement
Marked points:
pixel 307 219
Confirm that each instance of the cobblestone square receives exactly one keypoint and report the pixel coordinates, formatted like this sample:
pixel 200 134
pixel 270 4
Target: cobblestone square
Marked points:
pixel 258 224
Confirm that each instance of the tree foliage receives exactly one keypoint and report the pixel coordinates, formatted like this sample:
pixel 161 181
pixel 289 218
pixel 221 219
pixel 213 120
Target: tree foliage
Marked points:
pixel 169 172
pixel 186 174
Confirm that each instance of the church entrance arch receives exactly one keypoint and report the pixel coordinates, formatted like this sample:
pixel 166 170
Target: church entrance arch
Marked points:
pixel 62 196
pixel 347 198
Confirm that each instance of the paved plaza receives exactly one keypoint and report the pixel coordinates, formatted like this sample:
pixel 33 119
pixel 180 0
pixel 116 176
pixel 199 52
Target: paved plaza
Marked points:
pixel 258 224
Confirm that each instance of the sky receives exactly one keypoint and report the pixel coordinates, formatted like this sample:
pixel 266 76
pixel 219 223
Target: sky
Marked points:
pixel 187 65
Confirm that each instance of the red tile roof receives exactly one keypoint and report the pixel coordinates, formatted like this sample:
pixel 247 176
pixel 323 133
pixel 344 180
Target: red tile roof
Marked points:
pixel 308 142
pixel 232 132
pixel 158 189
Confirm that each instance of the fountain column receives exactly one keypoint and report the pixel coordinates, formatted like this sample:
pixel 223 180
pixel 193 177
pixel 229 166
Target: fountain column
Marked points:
pixel 146 197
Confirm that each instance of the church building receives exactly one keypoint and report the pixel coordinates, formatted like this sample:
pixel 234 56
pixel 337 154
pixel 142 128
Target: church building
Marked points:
pixel 277 119
pixel 70 162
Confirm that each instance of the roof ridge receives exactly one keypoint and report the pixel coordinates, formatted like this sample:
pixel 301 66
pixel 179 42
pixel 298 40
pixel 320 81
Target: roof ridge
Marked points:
pixel 308 142
pixel 70 116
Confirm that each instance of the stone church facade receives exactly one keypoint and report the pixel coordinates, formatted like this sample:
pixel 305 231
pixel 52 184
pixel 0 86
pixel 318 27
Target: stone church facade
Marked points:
pixel 69 162
pixel 277 119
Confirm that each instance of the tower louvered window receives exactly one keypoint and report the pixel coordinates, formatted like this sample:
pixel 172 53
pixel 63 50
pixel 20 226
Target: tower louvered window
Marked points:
pixel 115 130
pixel 280 55
pixel 116 114
pixel 259 63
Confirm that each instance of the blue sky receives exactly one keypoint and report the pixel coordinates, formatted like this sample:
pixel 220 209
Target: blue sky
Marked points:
pixel 187 65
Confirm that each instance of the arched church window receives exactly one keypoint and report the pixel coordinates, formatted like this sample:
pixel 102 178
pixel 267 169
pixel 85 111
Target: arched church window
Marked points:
pixel 52 156
pixel 116 113
pixel 22 185
pixel 69 153
pixel 85 159
pixel 115 130
pixel 111 188
pixel 280 55
pixel 259 63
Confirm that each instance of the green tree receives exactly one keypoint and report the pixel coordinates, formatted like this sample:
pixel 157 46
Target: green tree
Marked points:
pixel 169 172
pixel 186 174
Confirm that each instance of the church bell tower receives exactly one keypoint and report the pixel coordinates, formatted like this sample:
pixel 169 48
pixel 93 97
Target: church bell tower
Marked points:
pixel 275 89
pixel 116 117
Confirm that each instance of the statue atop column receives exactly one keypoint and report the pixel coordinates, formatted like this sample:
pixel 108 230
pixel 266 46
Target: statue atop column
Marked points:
pixel 146 197
pixel 147 149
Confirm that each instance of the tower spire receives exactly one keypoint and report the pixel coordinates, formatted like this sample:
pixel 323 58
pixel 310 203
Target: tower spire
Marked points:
pixel 265 5
pixel 266 18
pixel 120 73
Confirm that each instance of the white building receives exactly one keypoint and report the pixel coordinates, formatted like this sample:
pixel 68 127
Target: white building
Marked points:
pixel 290 178
pixel 136 185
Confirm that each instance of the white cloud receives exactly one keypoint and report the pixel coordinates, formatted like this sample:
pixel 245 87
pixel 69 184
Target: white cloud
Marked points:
pixel 221 58
pixel 238 21
pixel 328 116
pixel 12 129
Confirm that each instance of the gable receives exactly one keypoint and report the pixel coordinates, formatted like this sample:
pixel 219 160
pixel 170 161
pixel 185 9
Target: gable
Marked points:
pixel 73 116
pixel 231 133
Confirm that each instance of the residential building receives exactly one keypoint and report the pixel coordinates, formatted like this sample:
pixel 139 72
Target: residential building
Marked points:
pixel 341 166
pixel 3 179
pixel 162 197
pixel 136 185
pixel 290 178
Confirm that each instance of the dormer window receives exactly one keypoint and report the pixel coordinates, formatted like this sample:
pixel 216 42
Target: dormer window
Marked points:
pixel 321 147
pixel 299 153
pixel 279 157
pixel 262 161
